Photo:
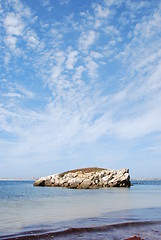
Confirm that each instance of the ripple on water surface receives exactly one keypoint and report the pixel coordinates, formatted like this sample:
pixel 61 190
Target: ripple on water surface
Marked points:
pixel 24 208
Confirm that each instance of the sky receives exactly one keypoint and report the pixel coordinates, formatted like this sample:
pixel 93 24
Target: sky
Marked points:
pixel 80 86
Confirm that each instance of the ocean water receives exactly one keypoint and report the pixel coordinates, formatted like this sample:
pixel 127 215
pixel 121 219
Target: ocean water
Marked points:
pixel 28 212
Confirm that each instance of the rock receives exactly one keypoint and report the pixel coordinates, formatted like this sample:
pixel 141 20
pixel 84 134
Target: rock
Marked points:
pixel 41 181
pixel 74 182
pixel 86 178
pixel 85 184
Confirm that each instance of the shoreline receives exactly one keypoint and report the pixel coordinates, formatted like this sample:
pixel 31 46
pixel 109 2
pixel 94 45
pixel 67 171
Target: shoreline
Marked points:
pixel 125 230
pixel 15 179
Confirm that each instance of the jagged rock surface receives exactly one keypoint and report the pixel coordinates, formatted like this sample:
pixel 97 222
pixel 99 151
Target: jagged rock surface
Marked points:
pixel 87 178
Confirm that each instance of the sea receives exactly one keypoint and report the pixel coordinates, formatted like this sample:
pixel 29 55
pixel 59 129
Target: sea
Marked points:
pixel 28 212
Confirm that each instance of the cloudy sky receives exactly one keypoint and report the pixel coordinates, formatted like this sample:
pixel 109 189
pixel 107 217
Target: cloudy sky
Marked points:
pixel 80 85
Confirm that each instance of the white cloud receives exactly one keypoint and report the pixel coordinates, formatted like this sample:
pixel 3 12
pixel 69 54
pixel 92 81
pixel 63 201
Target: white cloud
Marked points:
pixel 77 76
pixel 86 40
pixel 133 5
pixel 11 42
pixel 21 9
pixel 100 11
pixel 59 57
pixel 139 126
pixel 109 3
pixel 32 39
pixel 3 80
pixel 64 2
pixel 96 55
pixel 111 31
pixel 148 27
pixel 80 101
pixel 7 56
pixel 57 79
pixel 91 66
pixel 25 92
pixel 71 59
pixel 97 23
pixel 56 73
pixel 16 23
pixel 12 95
pixel 13 24
pixel 47 5
pixel 55 33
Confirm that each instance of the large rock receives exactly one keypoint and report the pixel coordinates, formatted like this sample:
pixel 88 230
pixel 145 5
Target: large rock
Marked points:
pixel 86 178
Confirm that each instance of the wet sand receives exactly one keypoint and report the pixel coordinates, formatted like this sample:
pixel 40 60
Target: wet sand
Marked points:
pixel 147 230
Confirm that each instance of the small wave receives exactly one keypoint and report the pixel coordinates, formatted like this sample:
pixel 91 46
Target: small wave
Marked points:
pixel 66 233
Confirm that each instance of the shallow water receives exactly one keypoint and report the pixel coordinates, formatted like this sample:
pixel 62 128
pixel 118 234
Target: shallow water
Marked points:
pixel 93 213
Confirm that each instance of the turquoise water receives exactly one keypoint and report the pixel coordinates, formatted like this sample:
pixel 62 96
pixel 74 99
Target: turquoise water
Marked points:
pixel 24 208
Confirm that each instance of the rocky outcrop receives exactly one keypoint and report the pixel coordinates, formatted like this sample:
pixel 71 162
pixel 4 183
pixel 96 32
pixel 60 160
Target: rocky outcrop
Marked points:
pixel 86 178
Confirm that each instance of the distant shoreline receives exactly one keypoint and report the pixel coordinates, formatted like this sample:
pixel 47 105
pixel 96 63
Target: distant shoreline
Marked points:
pixel 15 179
pixel 145 179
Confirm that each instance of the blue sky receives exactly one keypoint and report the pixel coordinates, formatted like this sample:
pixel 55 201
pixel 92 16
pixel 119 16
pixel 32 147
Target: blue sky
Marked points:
pixel 80 85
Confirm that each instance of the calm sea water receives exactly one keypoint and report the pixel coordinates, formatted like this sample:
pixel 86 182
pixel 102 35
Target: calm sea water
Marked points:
pixel 112 213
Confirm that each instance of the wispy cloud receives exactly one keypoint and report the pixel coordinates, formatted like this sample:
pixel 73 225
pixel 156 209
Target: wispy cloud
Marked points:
pixel 47 4
pixel 64 2
pixel 71 60
pixel 89 78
